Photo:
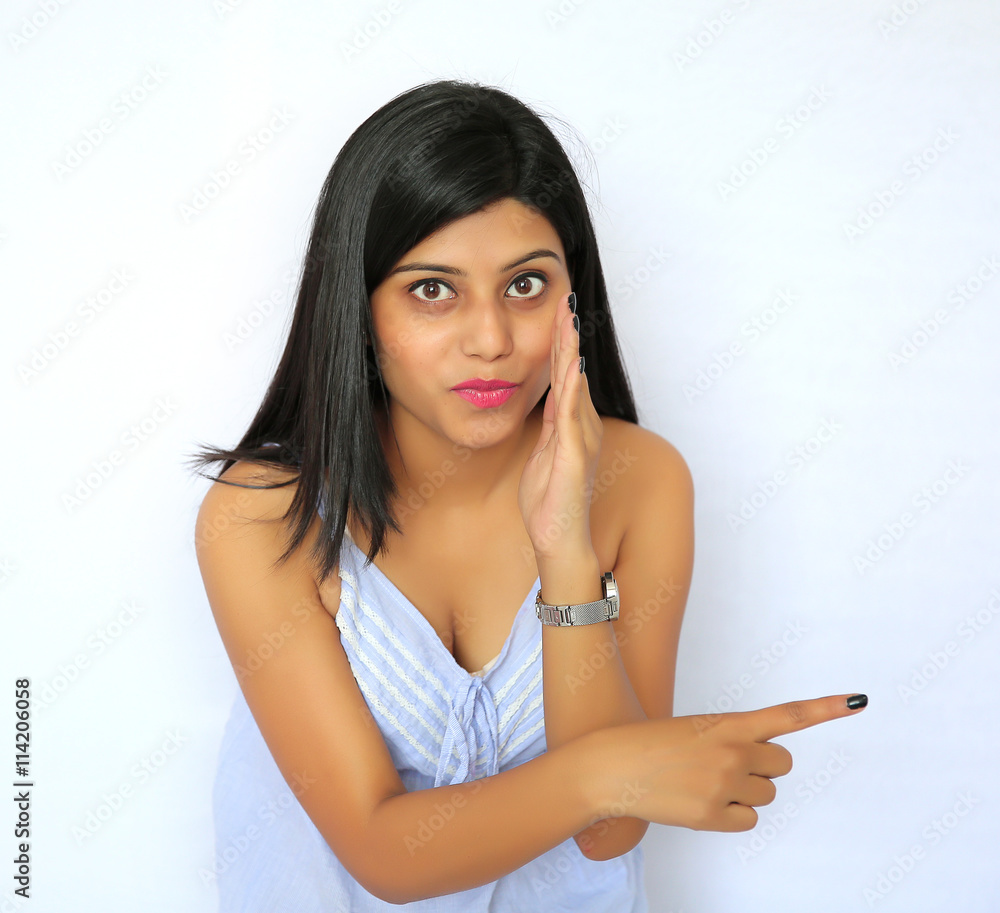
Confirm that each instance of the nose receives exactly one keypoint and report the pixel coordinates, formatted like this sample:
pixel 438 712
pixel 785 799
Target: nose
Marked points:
pixel 487 328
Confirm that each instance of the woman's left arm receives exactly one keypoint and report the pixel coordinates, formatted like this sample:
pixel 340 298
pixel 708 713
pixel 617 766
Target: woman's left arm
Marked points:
pixel 606 674
pixel 612 672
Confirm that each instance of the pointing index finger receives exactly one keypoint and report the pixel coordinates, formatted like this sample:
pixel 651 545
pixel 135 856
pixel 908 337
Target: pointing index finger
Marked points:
pixel 795 715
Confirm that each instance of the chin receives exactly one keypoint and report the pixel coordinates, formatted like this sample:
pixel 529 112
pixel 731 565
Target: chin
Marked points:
pixel 491 426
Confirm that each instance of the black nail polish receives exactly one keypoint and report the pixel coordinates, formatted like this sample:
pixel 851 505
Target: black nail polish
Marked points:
pixel 857 701
pixel 583 364
pixel 576 323
pixel 572 301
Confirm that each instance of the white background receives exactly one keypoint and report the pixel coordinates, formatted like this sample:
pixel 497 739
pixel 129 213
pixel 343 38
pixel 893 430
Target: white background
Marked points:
pixel 673 105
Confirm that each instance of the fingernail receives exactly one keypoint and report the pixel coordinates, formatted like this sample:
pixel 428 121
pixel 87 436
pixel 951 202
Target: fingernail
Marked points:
pixel 583 361
pixel 576 323
pixel 572 301
pixel 857 701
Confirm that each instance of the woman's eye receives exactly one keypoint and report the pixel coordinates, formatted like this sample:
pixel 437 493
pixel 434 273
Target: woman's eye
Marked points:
pixel 433 288
pixel 523 284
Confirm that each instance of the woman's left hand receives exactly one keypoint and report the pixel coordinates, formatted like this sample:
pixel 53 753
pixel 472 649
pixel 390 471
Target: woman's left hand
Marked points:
pixel 558 479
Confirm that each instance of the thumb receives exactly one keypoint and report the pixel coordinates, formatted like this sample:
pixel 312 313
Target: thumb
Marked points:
pixel 765 724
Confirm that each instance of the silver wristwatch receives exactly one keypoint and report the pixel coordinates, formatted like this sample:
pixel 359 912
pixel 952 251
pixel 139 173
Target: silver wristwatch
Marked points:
pixel 588 613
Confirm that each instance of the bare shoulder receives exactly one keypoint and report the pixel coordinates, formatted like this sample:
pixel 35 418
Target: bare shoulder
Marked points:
pixel 243 493
pixel 242 519
pixel 242 525
pixel 246 496
pixel 648 458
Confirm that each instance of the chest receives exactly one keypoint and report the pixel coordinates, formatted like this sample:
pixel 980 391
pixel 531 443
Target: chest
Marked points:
pixel 469 577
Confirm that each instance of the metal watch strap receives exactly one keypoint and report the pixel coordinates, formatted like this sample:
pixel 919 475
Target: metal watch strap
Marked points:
pixel 587 613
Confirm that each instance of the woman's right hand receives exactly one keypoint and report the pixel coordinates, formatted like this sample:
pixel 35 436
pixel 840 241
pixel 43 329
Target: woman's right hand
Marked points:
pixel 703 772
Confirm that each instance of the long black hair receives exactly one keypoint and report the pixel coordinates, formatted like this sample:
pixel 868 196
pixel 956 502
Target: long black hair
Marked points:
pixel 433 154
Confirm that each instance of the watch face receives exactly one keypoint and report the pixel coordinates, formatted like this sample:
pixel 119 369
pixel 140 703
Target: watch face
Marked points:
pixel 611 589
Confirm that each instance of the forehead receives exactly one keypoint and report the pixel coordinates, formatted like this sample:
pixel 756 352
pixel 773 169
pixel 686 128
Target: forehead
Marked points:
pixel 491 234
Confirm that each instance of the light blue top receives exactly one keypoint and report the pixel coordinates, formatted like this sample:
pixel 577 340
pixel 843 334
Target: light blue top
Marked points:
pixel 442 725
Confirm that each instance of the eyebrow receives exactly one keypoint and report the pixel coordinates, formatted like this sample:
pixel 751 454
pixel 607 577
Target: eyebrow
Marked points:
pixel 454 271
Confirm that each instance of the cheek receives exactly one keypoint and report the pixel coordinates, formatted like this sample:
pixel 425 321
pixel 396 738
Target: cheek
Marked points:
pixel 408 349
pixel 397 337
pixel 540 345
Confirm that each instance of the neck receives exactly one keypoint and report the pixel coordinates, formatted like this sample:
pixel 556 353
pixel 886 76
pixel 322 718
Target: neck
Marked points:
pixel 432 470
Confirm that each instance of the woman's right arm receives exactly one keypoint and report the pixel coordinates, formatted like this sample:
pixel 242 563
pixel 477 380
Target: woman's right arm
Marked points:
pixel 698 772
pixel 286 651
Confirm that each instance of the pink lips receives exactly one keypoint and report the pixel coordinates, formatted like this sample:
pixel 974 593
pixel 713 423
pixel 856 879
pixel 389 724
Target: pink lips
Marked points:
pixel 487 399
pixel 486 394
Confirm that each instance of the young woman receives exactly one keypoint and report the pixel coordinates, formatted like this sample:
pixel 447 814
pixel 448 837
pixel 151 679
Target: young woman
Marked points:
pixel 448 565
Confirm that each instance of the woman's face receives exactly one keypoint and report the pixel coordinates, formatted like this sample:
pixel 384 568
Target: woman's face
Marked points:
pixel 476 299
